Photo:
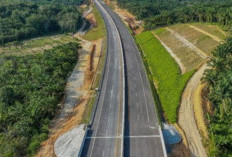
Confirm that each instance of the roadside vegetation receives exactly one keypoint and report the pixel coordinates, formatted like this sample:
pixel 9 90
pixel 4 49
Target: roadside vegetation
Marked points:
pixel 30 88
pixel 98 31
pixel 218 79
pixel 20 20
pixel 165 73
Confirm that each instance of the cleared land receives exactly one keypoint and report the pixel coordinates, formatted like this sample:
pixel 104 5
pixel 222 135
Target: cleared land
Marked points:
pixel 36 45
pixel 165 73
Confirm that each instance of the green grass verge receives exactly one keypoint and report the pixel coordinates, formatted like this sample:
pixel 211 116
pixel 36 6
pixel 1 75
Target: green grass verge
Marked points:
pixel 230 154
pixel 89 109
pixel 165 72
pixel 99 31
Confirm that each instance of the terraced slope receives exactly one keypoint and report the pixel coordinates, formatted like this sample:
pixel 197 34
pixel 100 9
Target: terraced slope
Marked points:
pixel 173 53
pixel 187 46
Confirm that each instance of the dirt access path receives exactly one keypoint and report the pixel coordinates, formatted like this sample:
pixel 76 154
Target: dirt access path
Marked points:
pixel 186 115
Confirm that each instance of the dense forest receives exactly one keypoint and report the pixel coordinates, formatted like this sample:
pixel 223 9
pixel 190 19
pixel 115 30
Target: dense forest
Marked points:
pixel 219 80
pixel 157 13
pixel 22 20
pixel 31 86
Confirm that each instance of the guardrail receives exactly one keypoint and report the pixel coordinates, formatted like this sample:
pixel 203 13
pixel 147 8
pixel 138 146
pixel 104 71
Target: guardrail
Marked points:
pixel 101 84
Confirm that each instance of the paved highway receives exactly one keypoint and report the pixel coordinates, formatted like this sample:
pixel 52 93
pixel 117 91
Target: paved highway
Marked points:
pixel 104 137
pixel 142 136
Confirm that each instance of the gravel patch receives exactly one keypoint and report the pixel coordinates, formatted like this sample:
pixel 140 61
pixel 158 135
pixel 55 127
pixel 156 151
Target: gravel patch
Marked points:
pixel 69 144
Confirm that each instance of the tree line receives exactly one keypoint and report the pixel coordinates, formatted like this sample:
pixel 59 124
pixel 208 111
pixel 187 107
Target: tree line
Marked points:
pixel 219 81
pixel 23 20
pixel 31 86
pixel 157 13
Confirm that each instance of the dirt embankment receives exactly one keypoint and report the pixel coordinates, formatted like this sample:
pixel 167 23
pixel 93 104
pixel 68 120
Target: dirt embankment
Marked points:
pixel 129 19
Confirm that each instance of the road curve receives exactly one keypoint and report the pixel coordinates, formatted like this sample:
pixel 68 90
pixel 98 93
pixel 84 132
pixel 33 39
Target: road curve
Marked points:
pixel 142 131
pixel 105 136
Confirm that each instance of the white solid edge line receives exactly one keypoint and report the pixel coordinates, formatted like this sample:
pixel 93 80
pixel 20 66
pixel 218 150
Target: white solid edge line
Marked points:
pixel 123 119
pixel 99 102
pixel 162 141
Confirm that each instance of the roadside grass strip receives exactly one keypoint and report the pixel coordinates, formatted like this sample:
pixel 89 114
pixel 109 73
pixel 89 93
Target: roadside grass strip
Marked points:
pixel 96 32
pixel 166 74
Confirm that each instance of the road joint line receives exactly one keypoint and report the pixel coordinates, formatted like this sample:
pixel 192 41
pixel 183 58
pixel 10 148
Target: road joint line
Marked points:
pixel 114 137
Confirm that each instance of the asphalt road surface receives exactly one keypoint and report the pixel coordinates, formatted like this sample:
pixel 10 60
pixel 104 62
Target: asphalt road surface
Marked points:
pixel 141 137
pixel 105 136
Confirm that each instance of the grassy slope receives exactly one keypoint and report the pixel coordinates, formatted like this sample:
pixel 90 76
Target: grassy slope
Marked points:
pixel 200 40
pixel 97 32
pixel 216 30
pixel 165 72
pixel 188 57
